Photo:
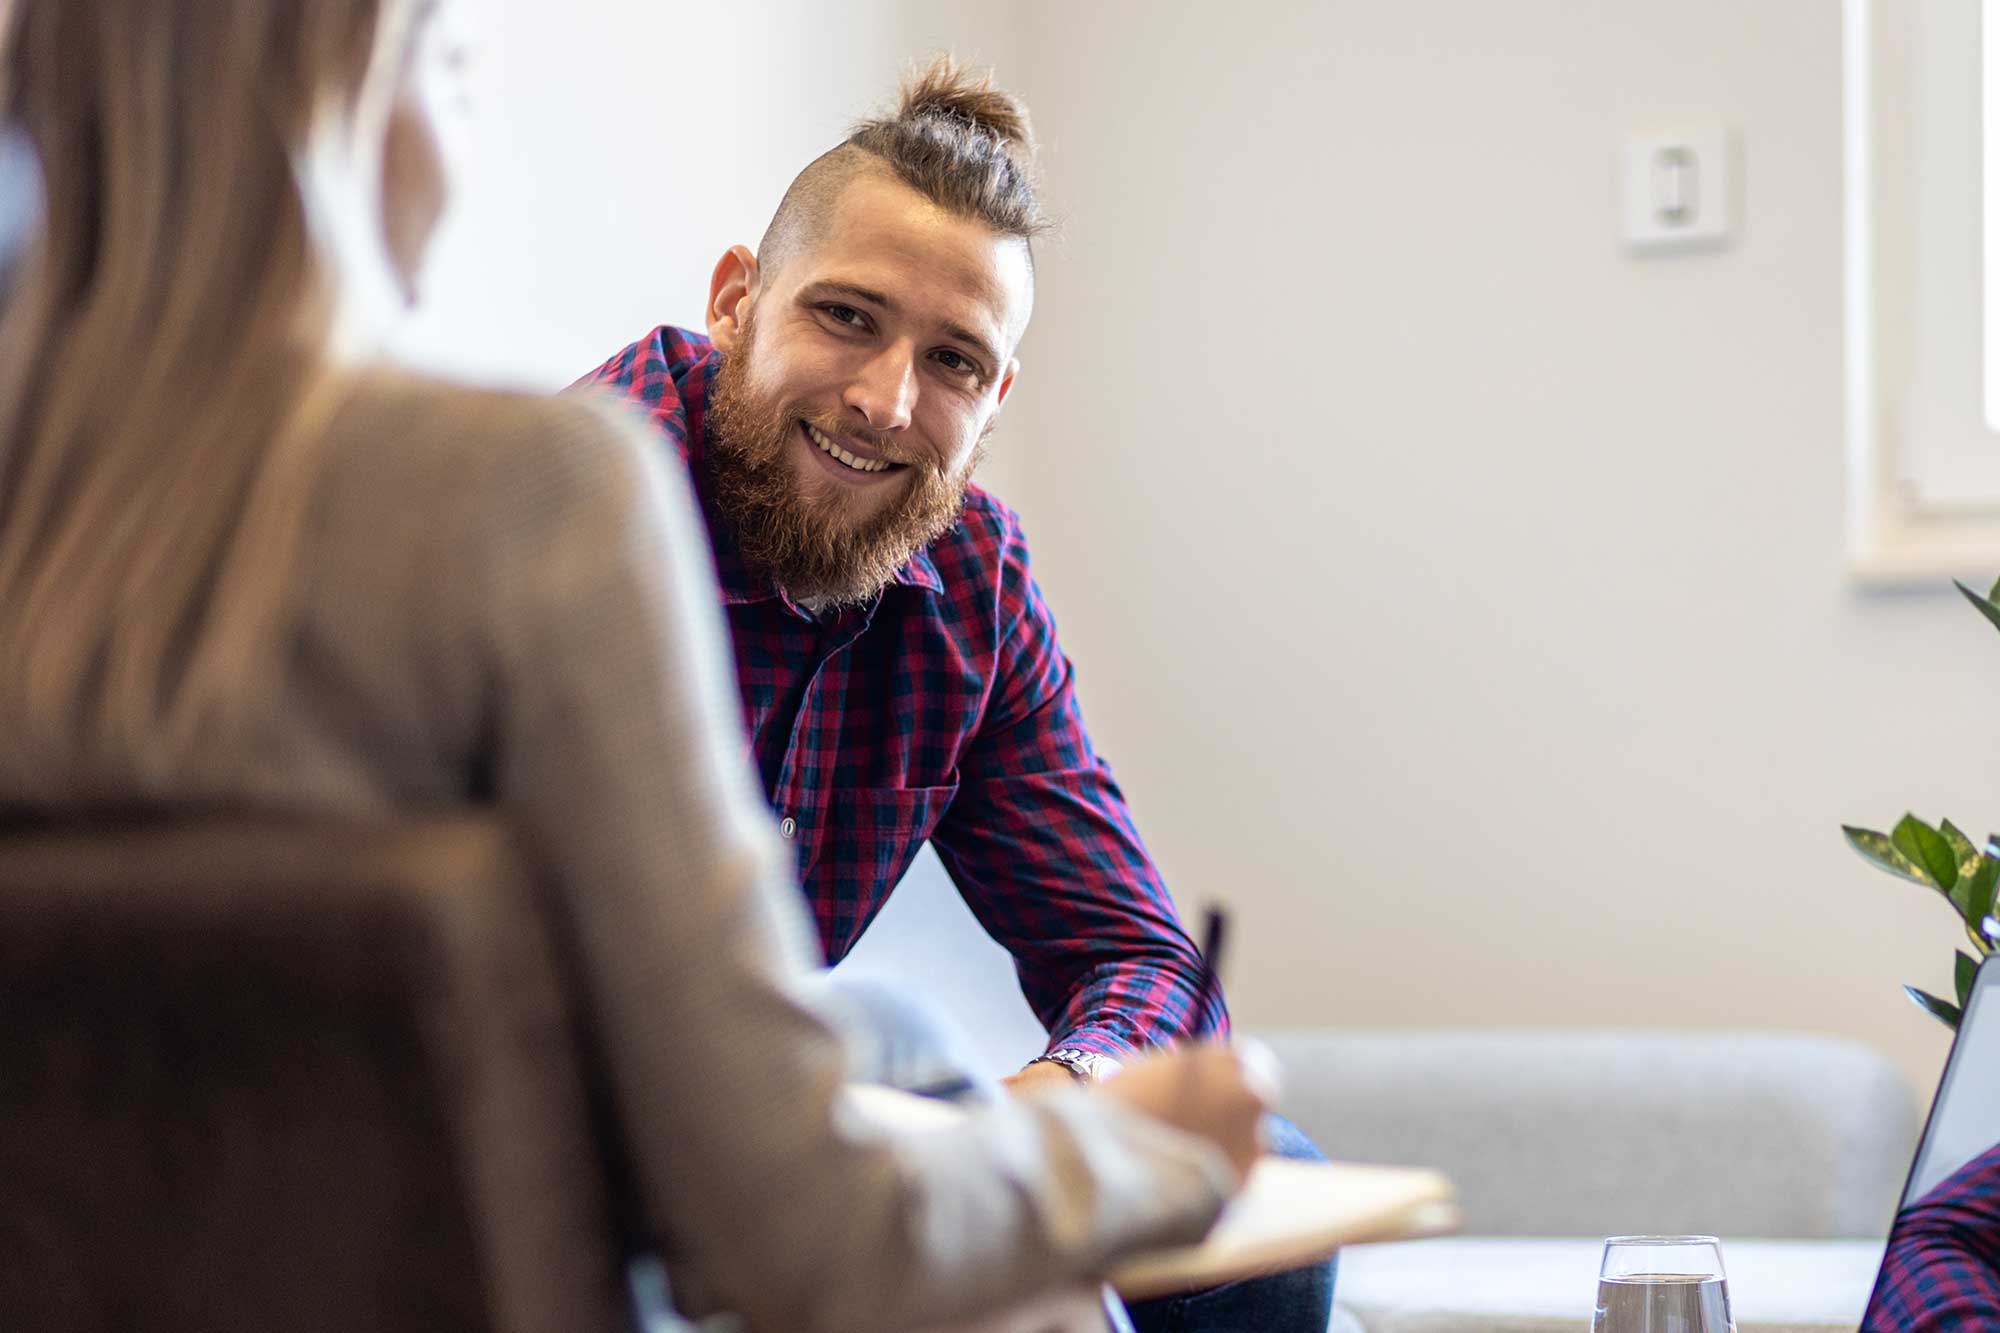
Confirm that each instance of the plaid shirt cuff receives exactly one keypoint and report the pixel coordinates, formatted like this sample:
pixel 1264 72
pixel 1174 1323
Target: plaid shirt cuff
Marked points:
pixel 1091 1041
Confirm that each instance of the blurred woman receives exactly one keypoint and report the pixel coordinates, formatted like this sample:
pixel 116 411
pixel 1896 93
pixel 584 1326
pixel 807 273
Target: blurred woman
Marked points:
pixel 245 562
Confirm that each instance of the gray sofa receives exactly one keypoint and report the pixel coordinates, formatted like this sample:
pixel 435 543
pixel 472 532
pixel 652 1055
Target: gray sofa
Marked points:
pixel 1792 1149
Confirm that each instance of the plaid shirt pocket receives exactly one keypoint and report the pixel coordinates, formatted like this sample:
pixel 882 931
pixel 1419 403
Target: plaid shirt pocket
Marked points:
pixel 867 839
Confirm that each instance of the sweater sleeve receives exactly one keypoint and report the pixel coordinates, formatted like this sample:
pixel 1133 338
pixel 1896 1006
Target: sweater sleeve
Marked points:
pixel 616 743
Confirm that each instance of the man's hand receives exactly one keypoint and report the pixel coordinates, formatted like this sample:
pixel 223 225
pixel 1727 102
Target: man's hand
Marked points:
pixel 1041 1074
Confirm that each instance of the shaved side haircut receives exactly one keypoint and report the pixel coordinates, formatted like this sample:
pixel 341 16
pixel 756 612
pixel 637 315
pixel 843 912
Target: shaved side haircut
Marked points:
pixel 962 143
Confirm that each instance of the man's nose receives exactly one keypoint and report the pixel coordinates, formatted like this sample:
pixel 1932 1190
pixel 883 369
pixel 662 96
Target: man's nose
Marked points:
pixel 884 391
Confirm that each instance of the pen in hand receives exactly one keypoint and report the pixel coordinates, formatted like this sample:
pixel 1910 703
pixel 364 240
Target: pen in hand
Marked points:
pixel 1215 925
pixel 1260 1062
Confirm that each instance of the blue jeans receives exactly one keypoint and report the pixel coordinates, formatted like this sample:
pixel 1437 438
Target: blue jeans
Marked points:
pixel 894 1041
pixel 1298 1301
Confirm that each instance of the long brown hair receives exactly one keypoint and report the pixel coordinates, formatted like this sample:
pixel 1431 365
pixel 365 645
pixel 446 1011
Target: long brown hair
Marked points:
pixel 166 349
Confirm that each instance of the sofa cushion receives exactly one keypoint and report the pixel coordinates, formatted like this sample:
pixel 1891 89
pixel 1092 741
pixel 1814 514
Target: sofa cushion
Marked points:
pixel 1581 1133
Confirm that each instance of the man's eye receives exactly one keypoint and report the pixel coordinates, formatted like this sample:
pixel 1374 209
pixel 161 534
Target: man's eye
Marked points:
pixel 952 361
pixel 846 314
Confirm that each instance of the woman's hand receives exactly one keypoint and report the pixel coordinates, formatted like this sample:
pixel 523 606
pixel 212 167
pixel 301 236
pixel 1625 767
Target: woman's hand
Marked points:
pixel 1212 1090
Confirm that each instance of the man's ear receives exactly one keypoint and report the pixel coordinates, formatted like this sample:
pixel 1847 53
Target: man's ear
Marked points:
pixel 1007 382
pixel 731 291
pixel 1006 387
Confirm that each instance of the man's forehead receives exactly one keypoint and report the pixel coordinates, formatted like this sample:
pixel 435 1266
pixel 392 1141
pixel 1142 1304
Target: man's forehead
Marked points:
pixel 884 237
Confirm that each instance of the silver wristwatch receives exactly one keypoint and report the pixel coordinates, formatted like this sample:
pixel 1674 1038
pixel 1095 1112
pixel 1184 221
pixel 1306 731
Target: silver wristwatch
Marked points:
pixel 1086 1065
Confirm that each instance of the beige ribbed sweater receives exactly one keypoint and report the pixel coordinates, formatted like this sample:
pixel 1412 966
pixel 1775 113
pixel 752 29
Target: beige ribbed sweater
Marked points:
pixel 510 596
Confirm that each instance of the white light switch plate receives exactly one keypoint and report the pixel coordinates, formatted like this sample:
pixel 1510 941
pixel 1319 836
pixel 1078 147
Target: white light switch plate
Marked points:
pixel 1679 190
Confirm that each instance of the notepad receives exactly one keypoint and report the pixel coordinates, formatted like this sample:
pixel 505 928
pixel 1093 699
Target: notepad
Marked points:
pixel 1289 1213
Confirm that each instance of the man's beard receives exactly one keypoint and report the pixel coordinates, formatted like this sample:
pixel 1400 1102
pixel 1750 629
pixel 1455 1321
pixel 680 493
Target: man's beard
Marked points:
pixel 805 542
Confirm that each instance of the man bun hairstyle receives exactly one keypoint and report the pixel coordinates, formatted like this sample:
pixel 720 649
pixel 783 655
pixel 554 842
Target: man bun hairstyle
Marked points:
pixel 947 88
pixel 955 138
pixel 964 144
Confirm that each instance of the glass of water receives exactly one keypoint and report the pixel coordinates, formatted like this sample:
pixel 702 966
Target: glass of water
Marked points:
pixel 1662 1284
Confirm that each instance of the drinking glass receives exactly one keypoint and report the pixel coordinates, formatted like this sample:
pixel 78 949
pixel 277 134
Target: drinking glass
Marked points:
pixel 1662 1284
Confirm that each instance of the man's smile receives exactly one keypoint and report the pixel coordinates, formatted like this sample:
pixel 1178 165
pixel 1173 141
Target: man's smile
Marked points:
pixel 848 460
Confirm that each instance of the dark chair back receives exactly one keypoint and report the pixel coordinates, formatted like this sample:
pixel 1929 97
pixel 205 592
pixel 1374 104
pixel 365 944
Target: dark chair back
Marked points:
pixel 269 1075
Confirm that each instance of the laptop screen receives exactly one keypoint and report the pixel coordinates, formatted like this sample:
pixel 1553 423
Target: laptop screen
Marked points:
pixel 1965 1115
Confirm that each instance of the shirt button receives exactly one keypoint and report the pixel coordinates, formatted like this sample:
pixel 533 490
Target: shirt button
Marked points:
pixel 788 826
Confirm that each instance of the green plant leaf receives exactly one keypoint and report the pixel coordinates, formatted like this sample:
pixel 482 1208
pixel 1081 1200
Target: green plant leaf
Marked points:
pixel 1963 969
pixel 1961 847
pixel 1994 594
pixel 1978 889
pixel 1947 1014
pixel 1968 865
pixel 1927 847
pixel 1879 850
pixel 1988 606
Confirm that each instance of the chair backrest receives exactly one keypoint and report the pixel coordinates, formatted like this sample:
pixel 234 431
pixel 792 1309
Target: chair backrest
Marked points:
pixel 1603 1133
pixel 290 1076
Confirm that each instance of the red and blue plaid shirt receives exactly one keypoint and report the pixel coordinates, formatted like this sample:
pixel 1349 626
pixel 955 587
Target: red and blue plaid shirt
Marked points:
pixel 944 710
pixel 1942 1270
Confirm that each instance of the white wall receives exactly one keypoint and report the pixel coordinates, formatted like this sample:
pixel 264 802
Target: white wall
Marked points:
pixel 616 149
pixel 1456 596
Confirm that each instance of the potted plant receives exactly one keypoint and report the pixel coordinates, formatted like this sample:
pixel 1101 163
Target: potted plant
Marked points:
pixel 1945 860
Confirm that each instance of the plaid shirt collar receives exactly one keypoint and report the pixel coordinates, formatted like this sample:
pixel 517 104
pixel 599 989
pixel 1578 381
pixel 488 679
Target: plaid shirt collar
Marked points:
pixel 740 584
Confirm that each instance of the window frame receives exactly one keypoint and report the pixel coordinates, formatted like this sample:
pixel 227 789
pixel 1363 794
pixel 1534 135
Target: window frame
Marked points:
pixel 1923 465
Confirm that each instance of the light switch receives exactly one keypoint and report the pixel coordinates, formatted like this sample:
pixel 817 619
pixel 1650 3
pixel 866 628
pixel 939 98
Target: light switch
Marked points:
pixel 1678 190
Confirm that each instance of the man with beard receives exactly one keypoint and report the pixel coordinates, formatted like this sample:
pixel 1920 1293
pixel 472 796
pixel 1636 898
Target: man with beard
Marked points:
pixel 901 675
